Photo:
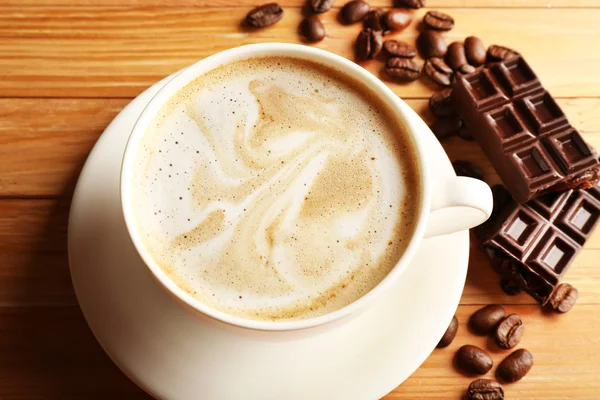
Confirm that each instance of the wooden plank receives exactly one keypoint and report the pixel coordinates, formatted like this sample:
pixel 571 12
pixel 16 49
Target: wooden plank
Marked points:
pixel 565 350
pixel 33 240
pixel 50 353
pixel 70 127
pixel 46 141
pixel 35 279
pixel 34 226
pixel 117 52
pixel 298 3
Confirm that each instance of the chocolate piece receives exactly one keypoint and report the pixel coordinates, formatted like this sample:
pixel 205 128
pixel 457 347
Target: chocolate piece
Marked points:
pixel 534 243
pixel 523 132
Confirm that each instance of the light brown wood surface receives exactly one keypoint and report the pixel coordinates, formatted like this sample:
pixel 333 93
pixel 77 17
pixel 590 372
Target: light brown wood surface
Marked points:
pixel 67 67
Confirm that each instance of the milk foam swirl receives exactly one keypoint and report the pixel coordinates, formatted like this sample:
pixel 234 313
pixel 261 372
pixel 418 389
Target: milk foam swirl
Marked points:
pixel 275 189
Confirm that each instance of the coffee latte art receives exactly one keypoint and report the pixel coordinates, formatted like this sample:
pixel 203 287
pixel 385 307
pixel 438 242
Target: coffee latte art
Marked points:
pixel 275 189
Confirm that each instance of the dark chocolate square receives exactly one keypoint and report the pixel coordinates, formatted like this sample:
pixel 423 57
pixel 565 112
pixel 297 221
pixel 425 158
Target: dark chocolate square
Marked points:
pixel 569 151
pixel 510 129
pixel 580 216
pixel 542 113
pixel 553 254
pixel 483 91
pixel 519 232
pixel 535 165
pixel 516 77
pixel 550 205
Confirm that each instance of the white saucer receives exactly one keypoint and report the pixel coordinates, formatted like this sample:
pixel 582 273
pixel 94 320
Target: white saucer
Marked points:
pixel 173 353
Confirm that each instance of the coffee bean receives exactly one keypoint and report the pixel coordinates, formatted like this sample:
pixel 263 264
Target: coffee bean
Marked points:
pixel 455 57
pixel 515 366
pixel 465 134
pixel 438 71
pixel 485 389
pixel 445 127
pixel 410 3
pixel 373 20
pixel 398 48
pixel 509 332
pixel 312 29
pixel 465 168
pixel 438 20
pixel 475 51
pixel 403 69
pixel 264 15
pixel 368 44
pixel 320 6
pixel 467 69
pixel 431 44
pixel 396 20
pixel 497 53
pixel 484 320
pixel 508 286
pixel 473 360
pixel 354 11
pixel 449 334
pixel 563 298
pixel 441 105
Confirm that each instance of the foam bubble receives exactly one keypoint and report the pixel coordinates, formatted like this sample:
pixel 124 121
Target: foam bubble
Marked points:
pixel 275 188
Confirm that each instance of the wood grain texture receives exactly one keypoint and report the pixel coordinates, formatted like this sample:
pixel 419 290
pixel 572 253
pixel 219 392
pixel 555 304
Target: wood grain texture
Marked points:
pixel 298 3
pixel 68 67
pixel 34 265
pixel 565 350
pixel 49 353
pixel 70 127
pixel 117 52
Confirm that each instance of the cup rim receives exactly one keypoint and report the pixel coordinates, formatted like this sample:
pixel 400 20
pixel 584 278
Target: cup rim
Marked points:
pixel 401 111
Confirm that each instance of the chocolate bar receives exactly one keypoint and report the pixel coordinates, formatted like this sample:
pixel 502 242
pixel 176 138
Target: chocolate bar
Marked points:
pixel 534 243
pixel 523 132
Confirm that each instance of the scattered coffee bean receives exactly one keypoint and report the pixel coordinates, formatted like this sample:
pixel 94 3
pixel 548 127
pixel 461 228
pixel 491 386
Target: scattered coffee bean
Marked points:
pixel 497 53
pixel 396 20
pixel 473 360
pixel 438 21
pixel 398 48
pixel 467 69
pixel 354 11
pixel 431 44
pixel 509 332
pixel 440 103
pixel 368 44
pixel 475 51
pixel 409 3
pixel 312 29
pixel 515 366
pixel 465 134
pixel 373 20
pixel 485 389
pixel 509 287
pixel 403 69
pixel 438 71
pixel 449 334
pixel 320 6
pixel 465 168
pixel 264 15
pixel 445 127
pixel 563 298
pixel 484 320
pixel 455 57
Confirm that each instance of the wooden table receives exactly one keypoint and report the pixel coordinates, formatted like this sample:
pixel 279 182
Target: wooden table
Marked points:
pixel 67 67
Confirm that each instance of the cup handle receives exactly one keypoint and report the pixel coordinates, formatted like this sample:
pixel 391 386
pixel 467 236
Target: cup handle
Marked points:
pixel 458 203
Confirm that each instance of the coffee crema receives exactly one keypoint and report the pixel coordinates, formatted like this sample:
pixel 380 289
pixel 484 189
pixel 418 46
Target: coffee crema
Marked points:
pixel 275 189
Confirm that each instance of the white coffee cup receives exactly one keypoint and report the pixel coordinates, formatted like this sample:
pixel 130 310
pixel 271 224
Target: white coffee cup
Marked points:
pixel 446 206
